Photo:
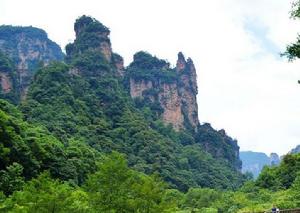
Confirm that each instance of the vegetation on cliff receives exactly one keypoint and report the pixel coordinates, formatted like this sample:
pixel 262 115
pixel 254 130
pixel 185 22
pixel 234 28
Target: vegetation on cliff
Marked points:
pixel 18 40
pixel 80 143
pixel 95 108
pixel 28 48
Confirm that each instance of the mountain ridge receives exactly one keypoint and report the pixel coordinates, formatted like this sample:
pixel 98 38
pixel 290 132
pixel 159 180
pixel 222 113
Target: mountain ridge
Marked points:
pixel 87 99
pixel 28 48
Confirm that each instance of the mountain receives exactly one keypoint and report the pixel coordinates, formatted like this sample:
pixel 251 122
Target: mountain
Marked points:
pixel 274 159
pixel 91 135
pixel 95 99
pixel 28 48
pixel 254 162
pixel 170 91
pixel 295 150
pixel 90 105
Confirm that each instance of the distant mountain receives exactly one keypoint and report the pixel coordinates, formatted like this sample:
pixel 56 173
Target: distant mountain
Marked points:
pixel 274 159
pixel 295 150
pixel 253 162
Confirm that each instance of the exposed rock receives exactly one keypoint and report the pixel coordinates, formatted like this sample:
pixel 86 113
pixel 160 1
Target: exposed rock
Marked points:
pixel 181 63
pixel 6 82
pixel 172 105
pixel 175 89
pixel 188 91
pixel 91 35
pixel 29 48
pixel 119 64
pixel 138 87
pixel 106 50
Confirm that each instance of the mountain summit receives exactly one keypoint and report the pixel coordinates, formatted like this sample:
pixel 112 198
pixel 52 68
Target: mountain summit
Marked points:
pixel 147 111
pixel 28 48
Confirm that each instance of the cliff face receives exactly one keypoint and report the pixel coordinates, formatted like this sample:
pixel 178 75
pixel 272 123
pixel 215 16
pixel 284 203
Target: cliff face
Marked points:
pixel 219 144
pixel 86 28
pixel 170 93
pixel 29 48
pixel 8 81
pixel 92 40
pixel 89 97
pixel 174 90
pixel 188 89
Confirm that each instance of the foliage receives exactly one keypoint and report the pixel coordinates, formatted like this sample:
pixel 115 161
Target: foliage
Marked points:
pixel 33 149
pixel 113 188
pixel 282 176
pixel 293 50
pixel 92 105
pixel 150 68
pixel 44 194
pixel 62 152
pixel 11 179
pixel 89 24
pixel 218 144
pixel 90 34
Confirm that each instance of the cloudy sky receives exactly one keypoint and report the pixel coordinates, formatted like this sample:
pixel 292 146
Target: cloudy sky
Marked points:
pixel 244 86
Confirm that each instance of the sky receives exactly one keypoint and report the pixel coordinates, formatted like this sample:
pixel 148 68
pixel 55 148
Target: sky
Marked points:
pixel 245 87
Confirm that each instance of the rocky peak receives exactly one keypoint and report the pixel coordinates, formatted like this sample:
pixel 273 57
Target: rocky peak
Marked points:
pixel 188 89
pixel 91 35
pixel 173 89
pixel 274 159
pixel 89 24
pixel 119 64
pixel 29 48
pixel 181 63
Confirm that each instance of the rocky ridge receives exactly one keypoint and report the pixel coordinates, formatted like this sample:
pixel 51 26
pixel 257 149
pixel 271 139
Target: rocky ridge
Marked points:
pixel 28 48
pixel 174 90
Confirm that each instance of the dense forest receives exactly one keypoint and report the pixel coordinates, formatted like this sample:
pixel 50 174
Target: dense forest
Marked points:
pixel 73 138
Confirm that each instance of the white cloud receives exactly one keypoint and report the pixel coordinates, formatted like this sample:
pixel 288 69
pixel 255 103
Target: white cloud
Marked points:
pixel 243 86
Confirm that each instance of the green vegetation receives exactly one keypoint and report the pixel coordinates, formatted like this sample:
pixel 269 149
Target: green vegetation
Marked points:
pixel 114 187
pixel 79 143
pixel 150 68
pixel 33 149
pixel 85 101
pixel 293 50
pixel 90 33
pixel 95 109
